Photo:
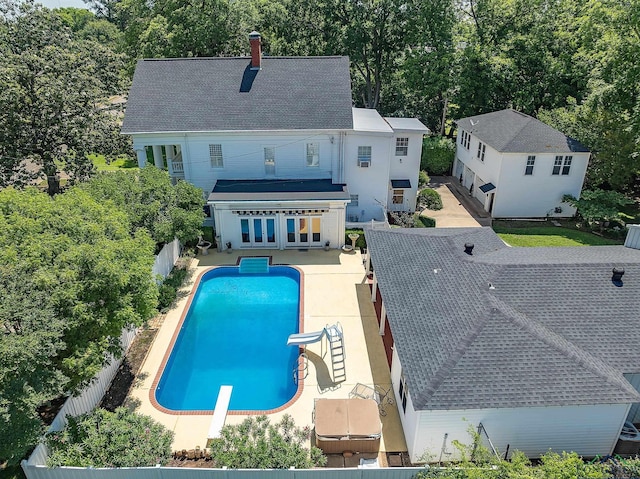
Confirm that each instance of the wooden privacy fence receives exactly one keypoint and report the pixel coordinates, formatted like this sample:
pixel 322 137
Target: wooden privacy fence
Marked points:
pixel 39 472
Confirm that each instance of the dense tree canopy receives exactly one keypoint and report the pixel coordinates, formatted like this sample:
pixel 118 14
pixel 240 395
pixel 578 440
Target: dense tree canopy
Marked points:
pixel 72 276
pixel 54 88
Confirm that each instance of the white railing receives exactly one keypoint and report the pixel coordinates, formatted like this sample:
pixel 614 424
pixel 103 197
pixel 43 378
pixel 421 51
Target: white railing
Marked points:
pixel 177 167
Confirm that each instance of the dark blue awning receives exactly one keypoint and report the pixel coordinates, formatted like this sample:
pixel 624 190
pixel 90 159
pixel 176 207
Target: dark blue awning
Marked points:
pixel 487 187
pixel 401 184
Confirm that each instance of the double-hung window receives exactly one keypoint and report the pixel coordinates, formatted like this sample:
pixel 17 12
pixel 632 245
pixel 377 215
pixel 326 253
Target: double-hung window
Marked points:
pixel 531 161
pixel 562 166
pixel 354 200
pixel 465 139
pixel 313 154
pixel 364 156
pixel 481 150
pixel 398 197
pixel 215 156
pixel 402 146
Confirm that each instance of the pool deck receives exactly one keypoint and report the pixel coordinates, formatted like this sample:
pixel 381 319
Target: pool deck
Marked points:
pixel 335 289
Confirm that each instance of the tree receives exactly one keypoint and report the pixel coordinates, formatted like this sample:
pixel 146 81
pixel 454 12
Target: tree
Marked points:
pixel 72 276
pixel 152 202
pixel 437 155
pixel 598 205
pixel 257 444
pixel 31 337
pixel 110 439
pixel 53 108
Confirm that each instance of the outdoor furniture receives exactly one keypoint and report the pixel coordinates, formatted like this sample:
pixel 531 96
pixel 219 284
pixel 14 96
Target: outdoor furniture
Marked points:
pixel 380 395
pixel 347 425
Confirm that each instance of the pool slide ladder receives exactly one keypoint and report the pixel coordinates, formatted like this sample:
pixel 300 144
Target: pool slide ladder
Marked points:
pixel 334 334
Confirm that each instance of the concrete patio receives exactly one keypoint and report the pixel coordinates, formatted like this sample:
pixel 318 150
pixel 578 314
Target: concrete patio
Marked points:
pixel 335 289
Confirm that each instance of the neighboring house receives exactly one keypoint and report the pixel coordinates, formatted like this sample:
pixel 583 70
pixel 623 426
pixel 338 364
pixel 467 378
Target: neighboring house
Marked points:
pixel 517 166
pixel 281 156
pixel 539 347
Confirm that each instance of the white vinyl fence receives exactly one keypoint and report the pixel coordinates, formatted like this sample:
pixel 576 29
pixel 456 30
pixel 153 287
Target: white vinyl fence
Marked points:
pixel 166 259
pixel 39 472
pixel 85 402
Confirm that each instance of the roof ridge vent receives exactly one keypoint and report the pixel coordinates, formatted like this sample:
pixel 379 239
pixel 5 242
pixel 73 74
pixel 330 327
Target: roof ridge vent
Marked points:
pixel 468 248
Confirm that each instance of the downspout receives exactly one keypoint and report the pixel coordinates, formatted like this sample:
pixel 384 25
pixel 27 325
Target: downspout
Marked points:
pixel 341 157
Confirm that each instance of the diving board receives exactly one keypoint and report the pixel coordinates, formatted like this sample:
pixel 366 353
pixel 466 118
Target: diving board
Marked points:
pixel 220 412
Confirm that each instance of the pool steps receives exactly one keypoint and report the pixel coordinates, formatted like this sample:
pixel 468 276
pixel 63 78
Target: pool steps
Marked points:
pixel 254 265
pixel 220 412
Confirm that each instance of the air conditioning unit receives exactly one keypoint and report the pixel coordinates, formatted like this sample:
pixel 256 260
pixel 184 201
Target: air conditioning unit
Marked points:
pixel 363 164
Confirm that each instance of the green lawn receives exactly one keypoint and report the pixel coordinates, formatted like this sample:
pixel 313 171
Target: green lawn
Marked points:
pixel 101 164
pixel 550 236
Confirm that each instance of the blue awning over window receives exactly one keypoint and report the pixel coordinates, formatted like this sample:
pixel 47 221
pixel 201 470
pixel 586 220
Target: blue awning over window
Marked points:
pixel 401 184
pixel 487 187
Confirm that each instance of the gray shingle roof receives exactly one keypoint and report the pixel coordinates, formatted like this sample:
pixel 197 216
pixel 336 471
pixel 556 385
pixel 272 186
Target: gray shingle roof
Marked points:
pixel 510 131
pixel 221 94
pixel 508 327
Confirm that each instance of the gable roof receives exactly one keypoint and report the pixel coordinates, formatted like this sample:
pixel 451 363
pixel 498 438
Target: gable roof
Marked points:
pixel 224 94
pixel 508 327
pixel 510 131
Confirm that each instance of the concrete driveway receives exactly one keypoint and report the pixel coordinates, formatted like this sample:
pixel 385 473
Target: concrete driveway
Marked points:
pixel 458 209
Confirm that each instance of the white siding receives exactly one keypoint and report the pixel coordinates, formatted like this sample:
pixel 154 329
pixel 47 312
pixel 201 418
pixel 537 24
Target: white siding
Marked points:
pixel 477 172
pixel 406 167
pixel 587 430
pixel 537 195
pixel 409 418
pixel 370 184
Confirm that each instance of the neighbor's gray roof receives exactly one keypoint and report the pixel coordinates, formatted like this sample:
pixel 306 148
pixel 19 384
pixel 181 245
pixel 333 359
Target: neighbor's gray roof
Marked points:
pixel 508 327
pixel 220 94
pixel 510 131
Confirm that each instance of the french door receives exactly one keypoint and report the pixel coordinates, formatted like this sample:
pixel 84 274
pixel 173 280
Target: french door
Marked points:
pixel 303 231
pixel 258 232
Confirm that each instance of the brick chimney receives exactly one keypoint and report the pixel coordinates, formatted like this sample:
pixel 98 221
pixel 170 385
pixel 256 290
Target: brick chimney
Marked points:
pixel 256 50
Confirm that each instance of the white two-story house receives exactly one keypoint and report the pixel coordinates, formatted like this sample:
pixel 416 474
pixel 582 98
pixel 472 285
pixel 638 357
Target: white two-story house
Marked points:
pixel 517 166
pixel 282 157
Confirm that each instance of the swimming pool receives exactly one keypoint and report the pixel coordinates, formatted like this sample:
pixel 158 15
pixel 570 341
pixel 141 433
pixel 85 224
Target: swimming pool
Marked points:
pixel 235 333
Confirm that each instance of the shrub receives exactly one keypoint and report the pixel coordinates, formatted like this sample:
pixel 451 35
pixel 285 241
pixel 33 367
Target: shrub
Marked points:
pixel 110 439
pixel 168 291
pixel 256 444
pixel 425 222
pixel 430 199
pixel 437 155
pixel 360 243
pixel 423 179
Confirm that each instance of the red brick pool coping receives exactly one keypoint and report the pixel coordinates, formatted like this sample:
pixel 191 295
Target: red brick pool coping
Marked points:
pixel 209 412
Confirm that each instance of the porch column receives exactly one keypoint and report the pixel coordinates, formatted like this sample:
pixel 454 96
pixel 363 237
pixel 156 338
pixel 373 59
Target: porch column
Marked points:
pixel 141 153
pixel 169 151
pixel 157 157
pixel 374 288
pixel 383 318
pixel 368 263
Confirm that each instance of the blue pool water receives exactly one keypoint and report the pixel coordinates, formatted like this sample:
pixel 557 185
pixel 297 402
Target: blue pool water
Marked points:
pixel 235 333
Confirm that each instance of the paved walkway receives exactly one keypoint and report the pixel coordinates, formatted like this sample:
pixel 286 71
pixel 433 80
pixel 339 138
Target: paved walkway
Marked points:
pixel 459 209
